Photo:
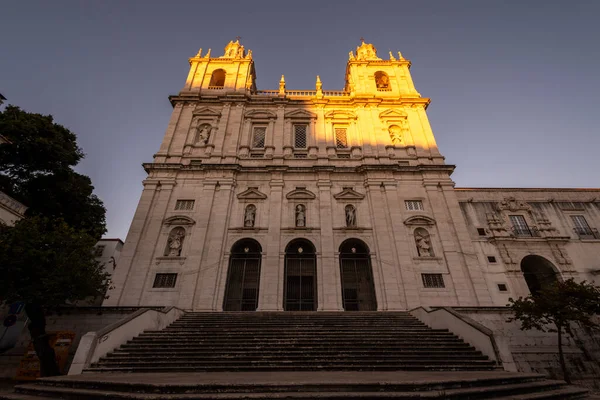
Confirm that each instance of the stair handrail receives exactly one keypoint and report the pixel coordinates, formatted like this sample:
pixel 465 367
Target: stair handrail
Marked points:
pixel 94 345
pixel 487 342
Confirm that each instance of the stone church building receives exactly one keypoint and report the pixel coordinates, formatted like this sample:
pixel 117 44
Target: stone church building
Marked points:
pixel 333 200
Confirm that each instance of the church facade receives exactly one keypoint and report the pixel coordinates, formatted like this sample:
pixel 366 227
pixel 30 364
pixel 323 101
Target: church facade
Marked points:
pixel 326 200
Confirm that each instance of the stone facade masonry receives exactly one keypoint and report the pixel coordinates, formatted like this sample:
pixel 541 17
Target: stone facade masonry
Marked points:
pixel 369 146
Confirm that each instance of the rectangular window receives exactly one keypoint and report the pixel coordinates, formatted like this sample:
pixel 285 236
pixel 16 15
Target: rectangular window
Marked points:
pixel 258 137
pixel 341 139
pixel 413 205
pixel 481 231
pixel 300 134
pixel 491 259
pixel 98 251
pixel 165 280
pixel 184 205
pixel 582 228
pixel 520 225
pixel 433 280
pixel 502 287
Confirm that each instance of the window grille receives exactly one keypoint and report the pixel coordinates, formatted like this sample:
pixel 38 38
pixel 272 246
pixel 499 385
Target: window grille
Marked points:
pixel 258 137
pixel 481 231
pixel 341 139
pixel 433 280
pixel 98 251
pixel 184 205
pixel 502 287
pixel 520 225
pixel 300 133
pixel 414 205
pixel 165 280
pixel 491 259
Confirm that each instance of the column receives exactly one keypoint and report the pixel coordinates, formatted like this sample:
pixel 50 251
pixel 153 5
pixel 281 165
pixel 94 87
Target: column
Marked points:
pixel 328 270
pixel 271 274
pixel 137 278
pixel 214 245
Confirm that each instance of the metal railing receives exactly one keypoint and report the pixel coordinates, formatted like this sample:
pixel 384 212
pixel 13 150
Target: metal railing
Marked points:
pixel 215 87
pixel 525 232
pixel 587 233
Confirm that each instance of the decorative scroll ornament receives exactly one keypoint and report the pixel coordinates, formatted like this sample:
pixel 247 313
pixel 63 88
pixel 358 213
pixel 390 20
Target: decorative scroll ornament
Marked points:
pixel 512 204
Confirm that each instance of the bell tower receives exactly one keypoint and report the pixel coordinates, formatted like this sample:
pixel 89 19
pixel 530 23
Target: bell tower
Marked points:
pixel 231 72
pixel 369 75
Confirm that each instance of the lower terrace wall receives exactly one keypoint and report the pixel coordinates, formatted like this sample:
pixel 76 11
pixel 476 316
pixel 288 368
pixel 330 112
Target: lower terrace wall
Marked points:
pixel 80 320
pixel 535 351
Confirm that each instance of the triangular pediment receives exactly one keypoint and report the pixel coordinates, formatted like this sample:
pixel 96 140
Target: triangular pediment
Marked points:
pixel 419 220
pixel 260 114
pixel 335 114
pixel 392 114
pixel 252 193
pixel 300 114
pixel 349 194
pixel 179 220
pixel 300 194
pixel 206 112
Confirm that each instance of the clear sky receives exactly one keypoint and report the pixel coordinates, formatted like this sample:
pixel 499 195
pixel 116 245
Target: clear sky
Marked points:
pixel 514 84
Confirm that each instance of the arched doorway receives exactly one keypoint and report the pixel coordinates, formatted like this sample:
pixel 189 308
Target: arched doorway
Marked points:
pixel 300 276
pixel 538 272
pixel 358 290
pixel 243 276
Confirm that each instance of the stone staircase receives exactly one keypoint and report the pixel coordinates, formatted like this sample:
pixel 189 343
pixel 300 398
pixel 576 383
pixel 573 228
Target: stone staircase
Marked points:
pixel 296 355
pixel 294 341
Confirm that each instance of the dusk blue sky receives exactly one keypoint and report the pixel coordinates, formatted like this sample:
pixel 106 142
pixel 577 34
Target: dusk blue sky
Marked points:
pixel 514 84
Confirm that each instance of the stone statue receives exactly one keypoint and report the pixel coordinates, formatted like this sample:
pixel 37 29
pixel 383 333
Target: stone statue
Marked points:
pixel 300 216
pixel 351 56
pixel 175 242
pixel 423 245
pixel 395 134
pixel 350 216
pixel 203 134
pixel 382 80
pixel 250 216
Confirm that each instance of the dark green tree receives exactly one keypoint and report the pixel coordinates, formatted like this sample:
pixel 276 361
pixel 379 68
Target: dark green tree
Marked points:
pixel 557 307
pixel 46 259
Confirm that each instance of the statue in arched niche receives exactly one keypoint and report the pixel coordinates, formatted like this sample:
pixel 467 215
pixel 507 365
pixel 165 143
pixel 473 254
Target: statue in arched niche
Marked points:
pixel 350 216
pixel 395 134
pixel 300 215
pixel 423 242
pixel 175 242
pixel 249 216
pixel 203 134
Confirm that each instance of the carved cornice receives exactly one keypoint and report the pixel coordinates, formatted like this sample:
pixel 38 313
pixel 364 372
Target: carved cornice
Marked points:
pixel 252 193
pixel 179 220
pixel 348 194
pixel 300 114
pixel 300 194
pixel 205 112
pixel 421 220
pixel 393 115
pixel 340 115
pixel 260 114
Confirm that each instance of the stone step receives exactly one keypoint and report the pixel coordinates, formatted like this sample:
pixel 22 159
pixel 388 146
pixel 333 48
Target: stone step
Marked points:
pixel 228 352
pixel 171 347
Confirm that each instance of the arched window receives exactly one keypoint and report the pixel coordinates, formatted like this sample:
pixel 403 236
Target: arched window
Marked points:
pixel 300 276
pixel 538 273
pixel 423 243
pixel 217 80
pixel 382 81
pixel 243 276
pixel 358 290
pixel 175 242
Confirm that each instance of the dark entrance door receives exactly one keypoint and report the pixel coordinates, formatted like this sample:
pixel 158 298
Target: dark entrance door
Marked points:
pixel 358 290
pixel 300 277
pixel 243 276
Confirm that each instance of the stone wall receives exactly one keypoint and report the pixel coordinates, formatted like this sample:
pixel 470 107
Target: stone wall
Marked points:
pixel 535 351
pixel 80 320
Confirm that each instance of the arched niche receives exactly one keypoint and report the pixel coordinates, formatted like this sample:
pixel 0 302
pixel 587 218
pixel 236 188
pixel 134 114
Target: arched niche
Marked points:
pixel 538 273
pixel 217 79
